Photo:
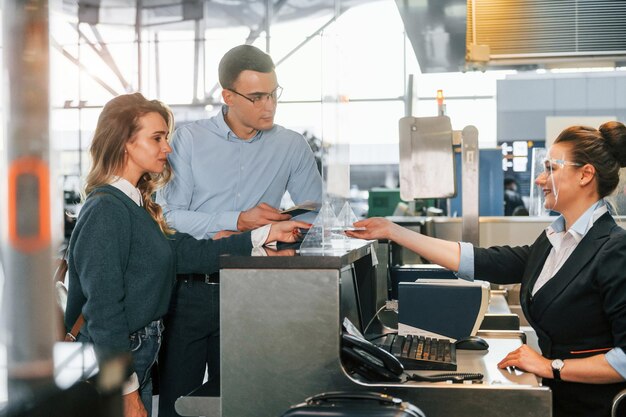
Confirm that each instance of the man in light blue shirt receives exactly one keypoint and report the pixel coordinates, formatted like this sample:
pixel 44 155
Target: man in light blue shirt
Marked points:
pixel 230 173
pixel 221 179
pixel 226 167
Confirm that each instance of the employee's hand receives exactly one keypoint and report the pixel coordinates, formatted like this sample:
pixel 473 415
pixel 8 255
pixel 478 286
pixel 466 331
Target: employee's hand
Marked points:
pixel 526 359
pixel 288 232
pixel 259 216
pixel 376 228
pixel 133 407
pixel 224 233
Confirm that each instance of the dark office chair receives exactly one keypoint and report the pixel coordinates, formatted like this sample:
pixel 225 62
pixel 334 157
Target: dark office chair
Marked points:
pixel 618 409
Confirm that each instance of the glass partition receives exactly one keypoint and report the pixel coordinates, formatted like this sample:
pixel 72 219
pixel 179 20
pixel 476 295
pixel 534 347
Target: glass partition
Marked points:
pixel 537 199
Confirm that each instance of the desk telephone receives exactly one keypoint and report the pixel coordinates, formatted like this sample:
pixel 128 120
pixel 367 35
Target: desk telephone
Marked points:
pixel 375 364
pixel 362 357
pixel 369 361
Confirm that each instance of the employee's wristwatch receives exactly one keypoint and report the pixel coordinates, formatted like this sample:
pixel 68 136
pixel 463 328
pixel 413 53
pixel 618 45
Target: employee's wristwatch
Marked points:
pixel 557 365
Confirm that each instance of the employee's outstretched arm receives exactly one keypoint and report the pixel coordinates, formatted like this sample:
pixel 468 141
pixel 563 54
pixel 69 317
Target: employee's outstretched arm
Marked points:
pixel 438 251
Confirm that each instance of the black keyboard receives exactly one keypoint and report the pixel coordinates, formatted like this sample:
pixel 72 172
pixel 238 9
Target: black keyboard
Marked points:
pixel 420 353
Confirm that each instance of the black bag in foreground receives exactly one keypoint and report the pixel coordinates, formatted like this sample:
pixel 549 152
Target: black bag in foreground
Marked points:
pixel 353 404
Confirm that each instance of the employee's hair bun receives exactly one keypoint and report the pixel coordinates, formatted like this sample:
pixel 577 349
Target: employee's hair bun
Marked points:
pixel 614 133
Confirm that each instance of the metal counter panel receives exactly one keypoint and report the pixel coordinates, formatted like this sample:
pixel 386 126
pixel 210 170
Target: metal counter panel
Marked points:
pixel 280 342
pixel 276 344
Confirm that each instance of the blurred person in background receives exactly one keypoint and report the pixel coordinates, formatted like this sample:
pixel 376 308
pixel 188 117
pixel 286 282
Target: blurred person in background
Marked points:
pixel 513 202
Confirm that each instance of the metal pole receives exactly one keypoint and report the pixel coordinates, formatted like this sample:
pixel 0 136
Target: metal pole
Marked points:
pixel 157 65
pixel 204 69
pixel 80 110
pixel 470 185
pixel 28 317
pixel 196 59
pixel 138 23
pixel 408 97
pixel 269 10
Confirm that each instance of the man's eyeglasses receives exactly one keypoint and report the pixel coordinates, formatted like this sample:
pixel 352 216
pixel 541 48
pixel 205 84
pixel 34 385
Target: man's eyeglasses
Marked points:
pixel 549 163
pixel 259 99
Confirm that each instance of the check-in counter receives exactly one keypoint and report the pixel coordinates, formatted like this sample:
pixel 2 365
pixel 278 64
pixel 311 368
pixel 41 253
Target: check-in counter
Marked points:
pixel 281 341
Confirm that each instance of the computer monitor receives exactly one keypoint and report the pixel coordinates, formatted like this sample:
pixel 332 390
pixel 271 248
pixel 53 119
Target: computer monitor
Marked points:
pixel 358 292
pixel 365 277
pixel 411 273
pixel 350 305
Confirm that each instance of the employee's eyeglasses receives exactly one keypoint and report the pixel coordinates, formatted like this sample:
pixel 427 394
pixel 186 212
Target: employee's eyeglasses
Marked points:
pixel 259 99
pixel 550 163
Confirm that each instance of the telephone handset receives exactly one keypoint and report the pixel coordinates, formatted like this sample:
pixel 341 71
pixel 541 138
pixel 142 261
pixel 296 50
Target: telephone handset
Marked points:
pixel 364 358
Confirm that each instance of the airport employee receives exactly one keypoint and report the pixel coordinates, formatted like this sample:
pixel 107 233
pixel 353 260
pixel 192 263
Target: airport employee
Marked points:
pixel 231 172
pixel 573 276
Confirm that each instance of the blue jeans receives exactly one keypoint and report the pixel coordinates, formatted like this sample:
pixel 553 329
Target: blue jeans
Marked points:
pixel 145 344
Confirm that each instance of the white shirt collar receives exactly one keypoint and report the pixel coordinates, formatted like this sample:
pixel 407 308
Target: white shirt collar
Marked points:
pixel 580 228
pixel 564 243
pixel 129 189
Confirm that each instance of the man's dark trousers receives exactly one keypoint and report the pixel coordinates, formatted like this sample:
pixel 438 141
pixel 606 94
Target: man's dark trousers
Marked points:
pixel 191 341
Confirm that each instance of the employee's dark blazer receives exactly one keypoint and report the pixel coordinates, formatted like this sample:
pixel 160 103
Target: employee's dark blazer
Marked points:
pixel 579 312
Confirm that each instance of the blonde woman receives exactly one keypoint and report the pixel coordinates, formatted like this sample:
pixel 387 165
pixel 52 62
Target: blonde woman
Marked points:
pixel 123 256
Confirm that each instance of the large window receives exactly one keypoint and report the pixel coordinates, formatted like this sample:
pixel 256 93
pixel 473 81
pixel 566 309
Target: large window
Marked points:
pixel 360 58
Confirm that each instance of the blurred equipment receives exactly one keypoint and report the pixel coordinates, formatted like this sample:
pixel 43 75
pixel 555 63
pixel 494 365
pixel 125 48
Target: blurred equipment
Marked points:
pixel 426 158
pixel 442 308
pixel 498 33
pixel 29 322
pixel 459 35
pixel 411 272
pixel 490 190
pixel 71 203
pixel 383 201
pixel 441 106
pixel 428 168
pixel 387 202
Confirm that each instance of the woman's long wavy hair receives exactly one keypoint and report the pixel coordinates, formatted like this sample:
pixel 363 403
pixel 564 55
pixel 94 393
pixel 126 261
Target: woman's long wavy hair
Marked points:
pixel 118 124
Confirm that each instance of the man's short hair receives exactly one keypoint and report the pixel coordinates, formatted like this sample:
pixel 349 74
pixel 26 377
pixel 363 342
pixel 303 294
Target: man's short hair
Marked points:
pixel 242 58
